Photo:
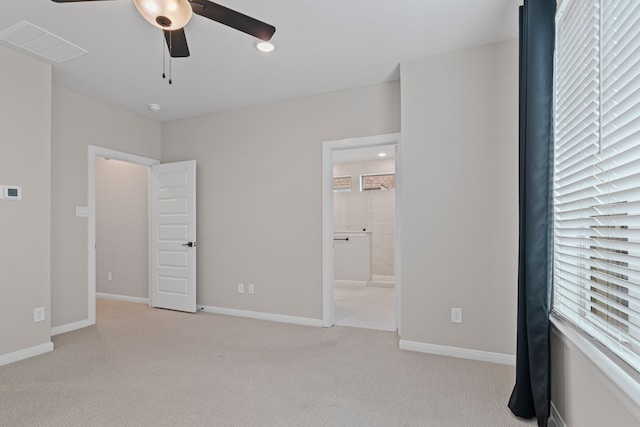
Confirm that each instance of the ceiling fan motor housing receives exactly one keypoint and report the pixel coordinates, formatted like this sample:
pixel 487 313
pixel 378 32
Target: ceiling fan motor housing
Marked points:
pixel 163 21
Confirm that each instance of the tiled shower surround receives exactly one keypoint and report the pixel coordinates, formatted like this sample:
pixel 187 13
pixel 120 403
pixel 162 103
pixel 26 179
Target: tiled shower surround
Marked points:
pixel 371 210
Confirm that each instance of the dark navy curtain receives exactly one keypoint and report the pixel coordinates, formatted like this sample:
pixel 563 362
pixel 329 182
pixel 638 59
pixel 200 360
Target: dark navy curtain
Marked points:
pixel 531 394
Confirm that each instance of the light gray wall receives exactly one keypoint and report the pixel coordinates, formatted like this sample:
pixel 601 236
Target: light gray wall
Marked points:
pixel 25 226
pixel 373 210
pixel 260 193
pixel 79 121
pixel 578 391
pixel 122 228
pixel 460 207
pixel 459 198
pixel 256 223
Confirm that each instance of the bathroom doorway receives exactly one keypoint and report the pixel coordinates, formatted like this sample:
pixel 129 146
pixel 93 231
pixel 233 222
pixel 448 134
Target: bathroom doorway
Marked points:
pixel 360 237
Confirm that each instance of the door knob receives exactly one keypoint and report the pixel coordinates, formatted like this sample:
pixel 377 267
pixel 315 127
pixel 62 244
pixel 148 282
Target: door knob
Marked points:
pixel 189 244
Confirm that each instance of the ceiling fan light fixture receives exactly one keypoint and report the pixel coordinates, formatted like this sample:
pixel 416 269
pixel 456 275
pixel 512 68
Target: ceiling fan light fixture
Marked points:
pixel 165 14
pixel 265 46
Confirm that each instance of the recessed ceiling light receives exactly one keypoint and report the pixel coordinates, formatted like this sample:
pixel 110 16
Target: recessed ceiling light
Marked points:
pixel 382 154
pixel 265 47
pixel 155 107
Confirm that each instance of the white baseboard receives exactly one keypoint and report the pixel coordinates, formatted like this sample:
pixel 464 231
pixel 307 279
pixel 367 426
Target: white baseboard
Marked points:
pixel 26 353
pixel 555 420
pixel 122 298
pixel 70 327
pixel 461 353
pixel 281 318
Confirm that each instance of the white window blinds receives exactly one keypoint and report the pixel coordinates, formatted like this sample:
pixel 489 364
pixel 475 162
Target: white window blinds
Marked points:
pixel 596 276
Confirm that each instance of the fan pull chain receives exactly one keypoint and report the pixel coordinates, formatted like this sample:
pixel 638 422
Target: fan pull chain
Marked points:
pixel 163 56
pixel 170 53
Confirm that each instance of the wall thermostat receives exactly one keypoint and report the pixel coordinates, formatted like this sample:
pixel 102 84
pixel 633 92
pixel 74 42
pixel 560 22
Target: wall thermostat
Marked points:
pixel 10 192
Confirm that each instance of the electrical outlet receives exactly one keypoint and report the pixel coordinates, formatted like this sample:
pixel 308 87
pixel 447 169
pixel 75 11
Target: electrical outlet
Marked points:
pixel 241 288
pixel 456 315
pixel 109 276
pixel 251 289
pixel 38 314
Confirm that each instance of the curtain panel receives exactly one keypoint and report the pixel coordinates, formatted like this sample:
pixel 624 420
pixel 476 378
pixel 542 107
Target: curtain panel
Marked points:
pixel 531 394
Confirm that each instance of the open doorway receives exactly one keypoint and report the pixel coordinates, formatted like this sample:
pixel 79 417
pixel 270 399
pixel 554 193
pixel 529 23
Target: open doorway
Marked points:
pixel 97 154
pixel 361 280
pixel 363 237
pixel 122 230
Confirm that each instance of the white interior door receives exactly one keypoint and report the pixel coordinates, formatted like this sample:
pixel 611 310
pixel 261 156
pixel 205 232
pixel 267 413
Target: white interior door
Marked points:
pixel 173 236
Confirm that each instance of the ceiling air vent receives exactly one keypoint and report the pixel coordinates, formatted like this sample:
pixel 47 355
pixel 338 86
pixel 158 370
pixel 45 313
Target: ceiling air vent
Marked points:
pixel 41 43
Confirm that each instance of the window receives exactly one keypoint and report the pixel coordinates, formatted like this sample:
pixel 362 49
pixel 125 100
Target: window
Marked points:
pixel 596 269
pixel 377 181
pixel 342 183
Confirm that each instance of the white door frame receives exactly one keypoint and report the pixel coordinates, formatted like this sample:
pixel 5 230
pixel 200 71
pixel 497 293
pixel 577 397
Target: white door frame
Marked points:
pixel 93 153
pixel 328 147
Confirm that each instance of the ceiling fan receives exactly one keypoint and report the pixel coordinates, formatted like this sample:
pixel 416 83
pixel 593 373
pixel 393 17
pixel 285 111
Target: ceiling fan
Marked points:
pixel 172 15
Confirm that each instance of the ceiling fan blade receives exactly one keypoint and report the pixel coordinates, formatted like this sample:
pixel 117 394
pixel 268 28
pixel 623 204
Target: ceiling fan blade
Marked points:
pixel 177 43
pixel 233 19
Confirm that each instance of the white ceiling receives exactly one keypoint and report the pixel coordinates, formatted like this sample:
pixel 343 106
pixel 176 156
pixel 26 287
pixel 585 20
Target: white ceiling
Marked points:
pixel 364 154
pixel 323 46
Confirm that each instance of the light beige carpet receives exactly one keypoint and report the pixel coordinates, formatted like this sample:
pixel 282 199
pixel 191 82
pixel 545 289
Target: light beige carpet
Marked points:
pixel 147 367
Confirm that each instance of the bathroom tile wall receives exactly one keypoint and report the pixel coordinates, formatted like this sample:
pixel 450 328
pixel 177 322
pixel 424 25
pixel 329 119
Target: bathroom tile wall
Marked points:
pixel 372 210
